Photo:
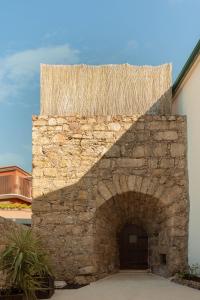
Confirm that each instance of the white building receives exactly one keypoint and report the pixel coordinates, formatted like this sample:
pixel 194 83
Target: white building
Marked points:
pixel 186 101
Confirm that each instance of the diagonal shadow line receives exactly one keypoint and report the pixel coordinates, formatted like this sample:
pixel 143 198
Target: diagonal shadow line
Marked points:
pixel 64 205
pixel 127 136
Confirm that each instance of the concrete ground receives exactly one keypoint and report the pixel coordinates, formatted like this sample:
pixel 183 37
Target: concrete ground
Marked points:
pixel 130 286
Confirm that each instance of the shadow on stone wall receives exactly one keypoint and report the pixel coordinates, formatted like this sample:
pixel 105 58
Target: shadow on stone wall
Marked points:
pixel 109 165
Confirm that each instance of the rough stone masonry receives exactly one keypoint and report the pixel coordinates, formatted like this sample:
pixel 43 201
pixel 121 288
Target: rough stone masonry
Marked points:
pixel 92 175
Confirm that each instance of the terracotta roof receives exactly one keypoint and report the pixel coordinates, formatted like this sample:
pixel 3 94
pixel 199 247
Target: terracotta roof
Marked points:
pixel 13 168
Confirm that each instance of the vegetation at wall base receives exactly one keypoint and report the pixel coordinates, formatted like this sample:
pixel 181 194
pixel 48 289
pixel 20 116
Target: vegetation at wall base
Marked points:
pixel 189 277
pixel 11 294
pixel 24 263
pixel 192 273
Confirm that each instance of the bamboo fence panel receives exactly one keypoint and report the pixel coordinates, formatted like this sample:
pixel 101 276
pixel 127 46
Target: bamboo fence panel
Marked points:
pixel 105 90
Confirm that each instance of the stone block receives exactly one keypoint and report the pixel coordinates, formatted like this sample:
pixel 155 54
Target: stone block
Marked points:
pixel 131 182
pixel 59 138
pixel 114 151
pixel 138 183
pixel 114 126
pixel 159 149
pixel 158 125
pixel 66 127
pixel 38 172
pixel 153 163
pixel 40 122
pixel 177 149
pixel 86 127
pixel 145 184
pixel 99 200
pixel 104 191
pixel 104 163
pixel 138 151
pixel 83 195
pixel 167 163
pixel 123 183
pixel 130 162
pixel 52 121
pixel 169 135
pixel 49 172
pixel 116 182
pixel 87 270
pixel 103 135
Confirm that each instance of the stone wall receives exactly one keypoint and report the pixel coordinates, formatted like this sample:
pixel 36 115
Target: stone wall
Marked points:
pixel 93 175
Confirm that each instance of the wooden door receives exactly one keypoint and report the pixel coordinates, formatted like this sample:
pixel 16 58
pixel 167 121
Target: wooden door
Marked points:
pixel 133 247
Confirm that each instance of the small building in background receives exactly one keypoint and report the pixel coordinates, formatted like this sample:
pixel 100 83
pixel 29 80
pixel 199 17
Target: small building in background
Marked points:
pixel 15 194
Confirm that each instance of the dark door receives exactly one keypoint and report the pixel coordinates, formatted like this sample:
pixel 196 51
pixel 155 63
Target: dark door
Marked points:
pixel 133 246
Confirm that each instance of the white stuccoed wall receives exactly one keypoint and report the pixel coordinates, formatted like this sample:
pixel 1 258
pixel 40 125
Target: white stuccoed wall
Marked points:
pixel 187 102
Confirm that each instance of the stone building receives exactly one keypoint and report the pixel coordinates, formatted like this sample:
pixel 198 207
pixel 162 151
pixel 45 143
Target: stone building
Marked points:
pixel 110 181
pixel 15 194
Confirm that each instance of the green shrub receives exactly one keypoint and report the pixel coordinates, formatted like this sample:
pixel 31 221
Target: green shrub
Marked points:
pixel 193 270
pixel 24 262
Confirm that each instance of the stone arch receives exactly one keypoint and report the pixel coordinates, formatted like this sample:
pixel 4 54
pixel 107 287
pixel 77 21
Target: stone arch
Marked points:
pixel 151 186
pixel 160 207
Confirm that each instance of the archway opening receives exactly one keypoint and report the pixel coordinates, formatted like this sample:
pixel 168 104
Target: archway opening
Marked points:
pixel 131 218
pixel 133 247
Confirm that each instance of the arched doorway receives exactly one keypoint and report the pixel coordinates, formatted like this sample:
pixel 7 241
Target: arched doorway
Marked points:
pixel 126 228
pixel 134 231
pixel 133 247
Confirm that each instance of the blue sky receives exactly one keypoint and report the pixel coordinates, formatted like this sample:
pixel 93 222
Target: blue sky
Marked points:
pixel 80 31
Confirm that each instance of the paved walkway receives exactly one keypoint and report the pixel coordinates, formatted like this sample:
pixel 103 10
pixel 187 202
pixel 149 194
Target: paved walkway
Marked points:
pixel 130 286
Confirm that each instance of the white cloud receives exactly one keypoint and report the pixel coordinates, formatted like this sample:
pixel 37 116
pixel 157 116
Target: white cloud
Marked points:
pixel 18 70
pixel 11 159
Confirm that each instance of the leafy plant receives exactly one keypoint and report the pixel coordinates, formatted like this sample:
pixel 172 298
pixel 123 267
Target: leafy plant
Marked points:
pixel 24 262
pixel 182 274
pixel 192 271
